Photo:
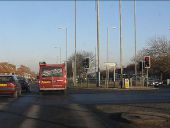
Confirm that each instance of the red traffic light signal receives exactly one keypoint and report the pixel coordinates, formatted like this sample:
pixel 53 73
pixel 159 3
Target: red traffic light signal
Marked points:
pixel 147 61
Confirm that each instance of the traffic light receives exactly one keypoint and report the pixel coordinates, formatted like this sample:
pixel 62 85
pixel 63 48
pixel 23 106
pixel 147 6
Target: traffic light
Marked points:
pixel 86 63
pixel 147 61
pixel 140 64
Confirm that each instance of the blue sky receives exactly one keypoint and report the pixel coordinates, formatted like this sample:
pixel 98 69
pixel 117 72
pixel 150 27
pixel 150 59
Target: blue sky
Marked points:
pixel 28 30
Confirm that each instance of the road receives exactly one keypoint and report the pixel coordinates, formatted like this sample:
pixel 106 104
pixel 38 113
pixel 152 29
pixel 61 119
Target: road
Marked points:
pixel 74 110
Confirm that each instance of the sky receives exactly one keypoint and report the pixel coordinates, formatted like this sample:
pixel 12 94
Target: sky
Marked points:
pixel 29 29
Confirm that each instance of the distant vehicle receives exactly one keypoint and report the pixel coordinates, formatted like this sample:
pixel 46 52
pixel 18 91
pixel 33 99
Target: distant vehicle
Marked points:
pixel 155 82
pixel 52 77
pixel 9 85
pixel 24 84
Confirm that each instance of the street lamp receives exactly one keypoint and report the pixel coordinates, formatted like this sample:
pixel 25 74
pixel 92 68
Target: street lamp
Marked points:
pixel 135 41
pixel 108 42
pixel 120 27
pixel 75 52
pixel 66 43
pixel 60 53
pixel 98 44
pixel 107 71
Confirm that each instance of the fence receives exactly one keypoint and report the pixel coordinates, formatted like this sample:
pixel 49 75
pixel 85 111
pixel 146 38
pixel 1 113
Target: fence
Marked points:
pixel 92 83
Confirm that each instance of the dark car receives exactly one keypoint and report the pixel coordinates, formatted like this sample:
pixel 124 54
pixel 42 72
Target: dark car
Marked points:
pixel 24 84
pixel 155 82
pixel 9 85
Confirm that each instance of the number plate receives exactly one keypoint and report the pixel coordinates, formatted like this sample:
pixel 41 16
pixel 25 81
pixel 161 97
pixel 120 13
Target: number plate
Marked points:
pixel 46 82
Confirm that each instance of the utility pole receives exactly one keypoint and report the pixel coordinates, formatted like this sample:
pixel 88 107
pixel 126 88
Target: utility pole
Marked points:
pixel 59 52
pixel 66 44
pixel 75 54
pixel 95 61
pixel 66 50
pixel 135 42
pixel 107 58
pixel 98 45
pixel 120 20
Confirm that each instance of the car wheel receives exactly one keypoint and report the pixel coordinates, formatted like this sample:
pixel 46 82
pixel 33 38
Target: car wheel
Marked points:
pixel 41 92
pixel 15 95
pixel 19 93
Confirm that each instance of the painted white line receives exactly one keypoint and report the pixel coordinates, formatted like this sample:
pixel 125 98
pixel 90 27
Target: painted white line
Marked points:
pixel 32 113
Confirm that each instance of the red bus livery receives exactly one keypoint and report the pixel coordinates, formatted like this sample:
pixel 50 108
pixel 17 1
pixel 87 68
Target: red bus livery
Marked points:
pixel 52 77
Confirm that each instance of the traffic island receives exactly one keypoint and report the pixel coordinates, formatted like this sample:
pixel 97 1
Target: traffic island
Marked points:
pixel 146 119
pixel 147 115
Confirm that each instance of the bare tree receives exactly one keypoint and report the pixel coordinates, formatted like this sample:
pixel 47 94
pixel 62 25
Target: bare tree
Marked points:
pixel 159 50
pixel 80 57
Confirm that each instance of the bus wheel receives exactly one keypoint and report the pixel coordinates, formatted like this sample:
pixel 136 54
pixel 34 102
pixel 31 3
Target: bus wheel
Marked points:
pixel 65 92
pixel 40 92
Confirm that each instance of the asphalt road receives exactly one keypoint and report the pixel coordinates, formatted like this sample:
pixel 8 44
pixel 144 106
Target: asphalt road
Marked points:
pixel 74 110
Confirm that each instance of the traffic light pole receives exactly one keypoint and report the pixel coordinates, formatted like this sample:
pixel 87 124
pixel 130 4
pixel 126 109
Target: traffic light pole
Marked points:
pixel 87 79
pixel 147 76
pixel 142 74
pixel 147 66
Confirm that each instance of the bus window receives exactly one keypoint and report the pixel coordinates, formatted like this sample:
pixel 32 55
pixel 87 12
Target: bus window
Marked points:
pixel 51 71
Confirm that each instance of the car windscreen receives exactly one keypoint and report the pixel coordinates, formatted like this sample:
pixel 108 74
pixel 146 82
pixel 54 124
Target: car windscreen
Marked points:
pixel 5 79
pixel 51 71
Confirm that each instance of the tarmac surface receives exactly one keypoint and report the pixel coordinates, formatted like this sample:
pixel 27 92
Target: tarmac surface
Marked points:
pixel 87 108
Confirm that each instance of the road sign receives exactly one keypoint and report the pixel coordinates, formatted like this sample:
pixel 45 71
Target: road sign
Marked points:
pixel 111 64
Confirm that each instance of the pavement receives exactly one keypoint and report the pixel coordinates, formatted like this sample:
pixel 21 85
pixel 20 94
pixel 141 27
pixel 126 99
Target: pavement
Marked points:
pixel 146 118
pixel 93 86
pixel 147 115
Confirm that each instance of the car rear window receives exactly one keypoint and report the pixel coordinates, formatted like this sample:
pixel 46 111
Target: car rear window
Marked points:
pixel 6 79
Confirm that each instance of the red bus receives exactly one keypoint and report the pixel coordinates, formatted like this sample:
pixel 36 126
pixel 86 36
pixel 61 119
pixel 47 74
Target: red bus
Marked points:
pixel 52 77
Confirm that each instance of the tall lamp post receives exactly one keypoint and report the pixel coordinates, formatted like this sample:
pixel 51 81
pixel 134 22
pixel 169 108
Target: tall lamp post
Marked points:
pixel 66 43
pixel 60 52
pixel 107 71
pixel 121 59
pixel 98 45
pixel 135 41
pixel 75 53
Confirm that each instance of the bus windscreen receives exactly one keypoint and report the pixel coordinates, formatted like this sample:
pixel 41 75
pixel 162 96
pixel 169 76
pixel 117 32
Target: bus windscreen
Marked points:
pixel 51 72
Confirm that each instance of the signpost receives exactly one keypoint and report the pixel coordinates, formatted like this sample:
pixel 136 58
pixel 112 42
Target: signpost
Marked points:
pixel 110 64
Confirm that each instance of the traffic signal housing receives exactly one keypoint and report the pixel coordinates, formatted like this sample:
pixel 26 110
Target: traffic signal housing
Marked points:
pixel 86 62
pixel 140 65
pixel 147 61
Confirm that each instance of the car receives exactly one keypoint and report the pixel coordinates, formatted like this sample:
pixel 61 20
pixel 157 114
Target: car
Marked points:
pixel 24 84
pixel 155 82
pixel 9 85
